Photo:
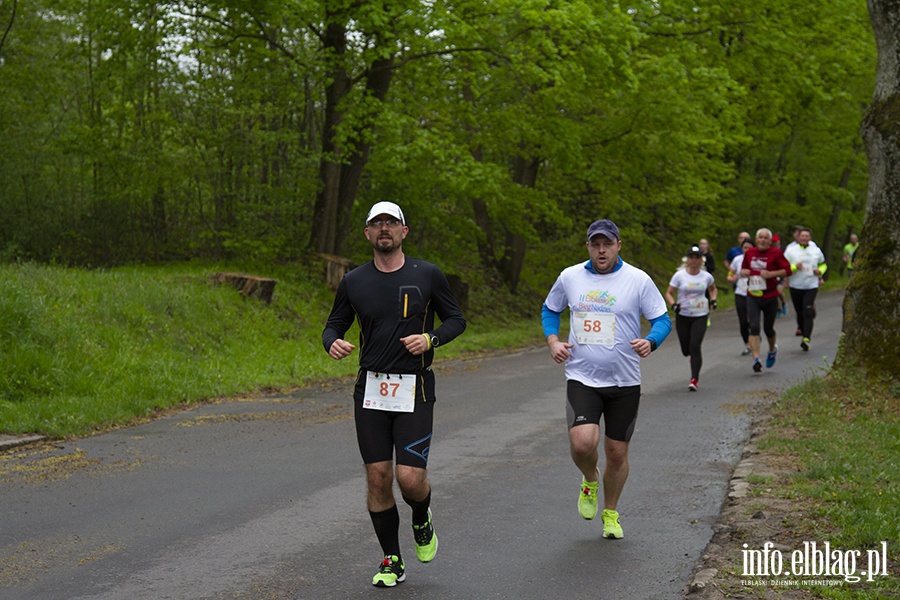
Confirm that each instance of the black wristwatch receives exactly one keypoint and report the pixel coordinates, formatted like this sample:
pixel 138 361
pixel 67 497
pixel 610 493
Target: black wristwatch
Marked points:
pixel 434 340
pixel 652 346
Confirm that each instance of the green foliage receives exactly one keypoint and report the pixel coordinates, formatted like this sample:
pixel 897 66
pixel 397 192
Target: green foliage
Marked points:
pixel 806 80
pixel 154 131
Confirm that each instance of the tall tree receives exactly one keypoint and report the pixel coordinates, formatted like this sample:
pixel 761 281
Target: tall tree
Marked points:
pixel 346 143
pixel 871 330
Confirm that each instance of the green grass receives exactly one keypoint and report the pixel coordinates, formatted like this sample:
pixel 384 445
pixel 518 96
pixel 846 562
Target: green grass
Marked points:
pixel 844 433
pixel 88 350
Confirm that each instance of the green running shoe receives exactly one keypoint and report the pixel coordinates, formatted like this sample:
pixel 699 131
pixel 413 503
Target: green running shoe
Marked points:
pixel 426 540
pixel 611 528
pixel 390 573
pixel 587 498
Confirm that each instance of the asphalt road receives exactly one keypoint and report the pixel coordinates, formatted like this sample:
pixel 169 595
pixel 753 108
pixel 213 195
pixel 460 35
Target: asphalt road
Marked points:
pixel 263 498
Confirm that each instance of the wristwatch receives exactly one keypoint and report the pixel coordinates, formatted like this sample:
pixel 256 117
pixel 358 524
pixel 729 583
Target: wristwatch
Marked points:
pixel 434 340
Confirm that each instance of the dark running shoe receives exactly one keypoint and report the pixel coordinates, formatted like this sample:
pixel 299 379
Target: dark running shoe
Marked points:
pixel 757 365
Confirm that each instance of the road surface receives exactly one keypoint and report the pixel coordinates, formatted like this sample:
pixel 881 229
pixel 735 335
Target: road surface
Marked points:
pixel 263 498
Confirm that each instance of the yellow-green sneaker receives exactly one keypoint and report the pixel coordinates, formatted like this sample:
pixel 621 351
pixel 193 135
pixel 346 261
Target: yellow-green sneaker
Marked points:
pixel 611 528
pixel 426 540
pixel 390 573
pixel 587 499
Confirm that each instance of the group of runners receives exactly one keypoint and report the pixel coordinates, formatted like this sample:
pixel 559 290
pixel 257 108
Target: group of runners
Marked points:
pixel 395 299
pixel 761 274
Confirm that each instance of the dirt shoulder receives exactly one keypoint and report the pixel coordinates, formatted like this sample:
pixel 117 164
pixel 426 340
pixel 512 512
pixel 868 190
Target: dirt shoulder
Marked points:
pixel 755 512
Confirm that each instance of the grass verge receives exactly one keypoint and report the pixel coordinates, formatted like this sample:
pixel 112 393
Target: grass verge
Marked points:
pixel 83 351
pixel 827 470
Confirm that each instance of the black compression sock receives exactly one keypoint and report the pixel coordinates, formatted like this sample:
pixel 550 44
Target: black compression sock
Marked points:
pixel 387 525
pixel 419 508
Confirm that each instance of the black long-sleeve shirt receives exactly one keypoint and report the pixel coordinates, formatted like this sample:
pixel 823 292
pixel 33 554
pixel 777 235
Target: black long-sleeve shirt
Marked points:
pixel 390 306
pixel 710 264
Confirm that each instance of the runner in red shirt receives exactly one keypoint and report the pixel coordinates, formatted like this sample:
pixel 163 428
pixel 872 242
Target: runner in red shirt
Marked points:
pixel 763 265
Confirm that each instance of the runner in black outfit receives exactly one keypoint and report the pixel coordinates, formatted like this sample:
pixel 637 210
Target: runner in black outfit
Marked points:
pixel 395 299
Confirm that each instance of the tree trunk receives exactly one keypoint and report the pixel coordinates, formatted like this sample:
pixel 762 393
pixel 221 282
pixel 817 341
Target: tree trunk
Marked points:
pixel 341 168
pixel 525 174
pixel 378 82
pixel 872 304
pixel 325 213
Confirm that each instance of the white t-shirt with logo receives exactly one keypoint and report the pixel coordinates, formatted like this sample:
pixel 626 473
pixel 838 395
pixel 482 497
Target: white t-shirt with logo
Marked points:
pixel 740 288
pixel 604 316
pixel 692 292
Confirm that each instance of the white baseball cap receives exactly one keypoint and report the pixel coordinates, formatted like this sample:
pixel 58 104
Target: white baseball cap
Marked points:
pixel 385 208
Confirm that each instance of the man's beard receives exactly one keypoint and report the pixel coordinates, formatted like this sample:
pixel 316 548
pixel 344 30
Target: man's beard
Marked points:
pixel 385 248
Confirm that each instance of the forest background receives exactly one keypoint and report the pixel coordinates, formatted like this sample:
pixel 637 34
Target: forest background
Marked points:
pixel 146 142
pixel 142 132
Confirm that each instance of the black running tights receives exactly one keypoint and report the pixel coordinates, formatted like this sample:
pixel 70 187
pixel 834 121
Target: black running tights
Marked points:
pixel 804 303
pixel 690 333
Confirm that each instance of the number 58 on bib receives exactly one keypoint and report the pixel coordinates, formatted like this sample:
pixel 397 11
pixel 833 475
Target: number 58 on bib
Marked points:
pixel 596 328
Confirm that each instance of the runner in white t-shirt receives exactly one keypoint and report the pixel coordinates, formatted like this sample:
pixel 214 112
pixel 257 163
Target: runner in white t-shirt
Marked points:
pixel 692 308
pixel 807 267
pixel 606 298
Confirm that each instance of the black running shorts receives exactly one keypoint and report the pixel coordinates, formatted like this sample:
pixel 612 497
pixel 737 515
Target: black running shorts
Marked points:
pixel 381 433
pixel 618 405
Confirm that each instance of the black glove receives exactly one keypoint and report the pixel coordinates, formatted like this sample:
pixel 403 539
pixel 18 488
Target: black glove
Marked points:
pixel 713 304
pixel 676 307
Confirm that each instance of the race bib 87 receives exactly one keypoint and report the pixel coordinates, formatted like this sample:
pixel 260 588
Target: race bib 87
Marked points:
pixel 390 391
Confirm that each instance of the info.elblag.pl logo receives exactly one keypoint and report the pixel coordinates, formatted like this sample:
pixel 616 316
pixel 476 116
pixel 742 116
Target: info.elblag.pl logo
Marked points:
pixel 813 560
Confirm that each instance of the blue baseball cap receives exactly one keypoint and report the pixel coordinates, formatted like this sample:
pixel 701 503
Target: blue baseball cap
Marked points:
pixel 603 227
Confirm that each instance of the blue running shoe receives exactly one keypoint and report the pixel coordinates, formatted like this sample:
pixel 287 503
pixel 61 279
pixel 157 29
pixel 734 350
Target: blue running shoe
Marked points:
pixel 770 358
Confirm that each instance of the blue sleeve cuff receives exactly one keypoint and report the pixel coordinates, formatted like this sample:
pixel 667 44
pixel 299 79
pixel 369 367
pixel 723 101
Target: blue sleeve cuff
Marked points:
pixel 550 321
pixel 660 328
